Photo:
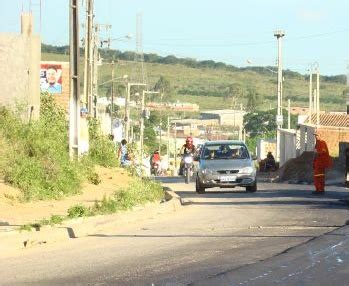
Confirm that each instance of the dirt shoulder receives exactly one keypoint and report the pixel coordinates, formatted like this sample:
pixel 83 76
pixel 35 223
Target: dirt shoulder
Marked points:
pixel 13 212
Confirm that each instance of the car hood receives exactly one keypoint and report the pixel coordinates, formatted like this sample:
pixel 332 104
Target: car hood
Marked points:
pixel 225 164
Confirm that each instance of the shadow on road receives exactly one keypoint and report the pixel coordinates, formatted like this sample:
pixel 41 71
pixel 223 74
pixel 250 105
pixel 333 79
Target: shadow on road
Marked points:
pixel 287 193
pixel 195 235
pixel 312 204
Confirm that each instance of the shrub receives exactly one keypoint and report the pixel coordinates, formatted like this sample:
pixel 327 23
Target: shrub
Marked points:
pixel 139 192
pixel 102 149
pixel 37 160
pixel 78 211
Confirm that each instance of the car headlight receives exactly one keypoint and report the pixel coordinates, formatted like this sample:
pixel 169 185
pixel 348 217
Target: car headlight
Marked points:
pixel 206 171
pixel 247 170
pixel 188 160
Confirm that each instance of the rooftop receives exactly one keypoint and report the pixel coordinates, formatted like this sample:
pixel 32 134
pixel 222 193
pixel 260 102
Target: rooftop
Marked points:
pixel 330 120
pixel 223 111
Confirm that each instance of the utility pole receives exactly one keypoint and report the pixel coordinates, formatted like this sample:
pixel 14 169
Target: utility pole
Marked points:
pixel 310 94
pixel 88 55
pixel 168 138
pixel 289 114
pixel 127 108
pixel 279 118
pixel 175 145
pixel 127 112
pixel 317 97
pixel 74 103
pixel 144 92
pixel 161 95
pixel 112 99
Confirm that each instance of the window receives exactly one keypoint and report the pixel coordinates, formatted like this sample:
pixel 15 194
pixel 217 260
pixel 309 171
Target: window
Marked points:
pixel 224 151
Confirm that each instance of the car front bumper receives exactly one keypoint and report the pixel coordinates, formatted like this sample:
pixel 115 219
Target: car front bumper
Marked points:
pixel 212 181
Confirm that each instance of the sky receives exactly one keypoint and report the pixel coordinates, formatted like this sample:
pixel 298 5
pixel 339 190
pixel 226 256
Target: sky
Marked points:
pixel 240 33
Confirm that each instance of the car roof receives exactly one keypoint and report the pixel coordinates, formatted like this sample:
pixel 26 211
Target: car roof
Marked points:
pixel 222 142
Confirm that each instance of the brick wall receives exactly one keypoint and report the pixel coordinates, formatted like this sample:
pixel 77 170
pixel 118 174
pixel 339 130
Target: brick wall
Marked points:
pixel 333 136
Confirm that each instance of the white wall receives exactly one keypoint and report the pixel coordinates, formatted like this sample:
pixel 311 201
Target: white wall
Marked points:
pixel 287 145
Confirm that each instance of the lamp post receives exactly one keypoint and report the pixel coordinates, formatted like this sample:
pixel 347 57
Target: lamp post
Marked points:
pixel 314 101
pixel 127 107
pixel 112 94
pixel 279 118
pixel 142 118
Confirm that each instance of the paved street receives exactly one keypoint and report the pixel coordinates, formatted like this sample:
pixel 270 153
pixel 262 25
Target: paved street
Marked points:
pixel 227 237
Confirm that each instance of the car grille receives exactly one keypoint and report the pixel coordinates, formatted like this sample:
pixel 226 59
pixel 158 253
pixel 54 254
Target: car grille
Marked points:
pixel 227 172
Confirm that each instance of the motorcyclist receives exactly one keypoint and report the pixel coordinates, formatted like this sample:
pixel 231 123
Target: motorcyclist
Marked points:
pixel 155 161
pixel 187 148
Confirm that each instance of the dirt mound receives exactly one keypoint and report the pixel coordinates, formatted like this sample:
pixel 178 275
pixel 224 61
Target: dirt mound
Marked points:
pixel 300 170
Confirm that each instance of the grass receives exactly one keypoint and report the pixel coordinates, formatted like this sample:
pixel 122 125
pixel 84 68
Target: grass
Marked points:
pixel 35 155
pixel 139 192
pixel 200 81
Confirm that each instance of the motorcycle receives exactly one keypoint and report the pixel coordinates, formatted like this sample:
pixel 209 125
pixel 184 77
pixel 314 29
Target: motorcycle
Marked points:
pixel 155 169
pixel 188 170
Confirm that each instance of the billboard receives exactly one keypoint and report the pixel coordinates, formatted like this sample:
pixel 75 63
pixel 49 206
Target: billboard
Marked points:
pixel 51 78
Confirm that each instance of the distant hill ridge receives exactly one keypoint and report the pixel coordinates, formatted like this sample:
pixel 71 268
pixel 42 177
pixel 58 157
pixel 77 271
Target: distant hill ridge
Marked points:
pixel 111 54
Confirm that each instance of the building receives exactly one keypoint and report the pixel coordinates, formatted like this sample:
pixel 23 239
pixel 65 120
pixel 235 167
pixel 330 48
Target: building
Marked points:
pixel 227 117
pixel 20 68
pixel 333 127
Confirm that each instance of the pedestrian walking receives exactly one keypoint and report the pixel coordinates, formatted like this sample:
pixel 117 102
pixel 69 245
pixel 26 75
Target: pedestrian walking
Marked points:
pixel 321 162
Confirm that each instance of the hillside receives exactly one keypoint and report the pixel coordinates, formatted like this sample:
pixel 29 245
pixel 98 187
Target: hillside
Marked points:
pixel 207 86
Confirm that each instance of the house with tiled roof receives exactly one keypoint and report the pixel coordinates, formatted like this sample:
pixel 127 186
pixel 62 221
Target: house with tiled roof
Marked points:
pixel 333 128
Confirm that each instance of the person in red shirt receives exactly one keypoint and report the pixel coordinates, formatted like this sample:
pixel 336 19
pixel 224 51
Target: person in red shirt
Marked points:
pixel 156 162
pixel 322 160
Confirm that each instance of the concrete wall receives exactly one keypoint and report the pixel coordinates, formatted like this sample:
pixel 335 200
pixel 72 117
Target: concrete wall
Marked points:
pixel 264 146
pixel 20 69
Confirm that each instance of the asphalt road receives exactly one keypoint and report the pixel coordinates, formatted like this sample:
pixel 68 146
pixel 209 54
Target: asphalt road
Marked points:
pixel 218 238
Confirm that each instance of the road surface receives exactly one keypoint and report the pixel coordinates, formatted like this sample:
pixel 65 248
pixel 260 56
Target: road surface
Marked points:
pixel 217 238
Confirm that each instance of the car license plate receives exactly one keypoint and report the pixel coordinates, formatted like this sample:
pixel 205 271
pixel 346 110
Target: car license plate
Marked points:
pixel 228 178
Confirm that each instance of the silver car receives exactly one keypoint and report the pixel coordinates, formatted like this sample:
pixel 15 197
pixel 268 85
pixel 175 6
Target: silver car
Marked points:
pixel 225 164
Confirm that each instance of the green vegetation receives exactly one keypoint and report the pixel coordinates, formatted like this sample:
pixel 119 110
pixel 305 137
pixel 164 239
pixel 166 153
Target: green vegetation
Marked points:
pixel 35 155
pixel 213 85
pixel 140 192
pixel 262 124
pixel 101 149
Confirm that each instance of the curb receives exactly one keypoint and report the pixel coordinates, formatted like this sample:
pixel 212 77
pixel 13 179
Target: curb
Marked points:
pixel 85 226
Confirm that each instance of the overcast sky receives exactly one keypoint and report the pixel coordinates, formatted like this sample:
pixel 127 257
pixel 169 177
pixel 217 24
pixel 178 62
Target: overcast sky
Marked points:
pixel 230 31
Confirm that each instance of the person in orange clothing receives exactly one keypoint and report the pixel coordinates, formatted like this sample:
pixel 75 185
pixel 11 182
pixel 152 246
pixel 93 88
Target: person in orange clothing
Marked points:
pixel 322 160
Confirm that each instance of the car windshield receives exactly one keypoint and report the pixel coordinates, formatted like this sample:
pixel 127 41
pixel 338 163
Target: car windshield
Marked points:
pixel 224 151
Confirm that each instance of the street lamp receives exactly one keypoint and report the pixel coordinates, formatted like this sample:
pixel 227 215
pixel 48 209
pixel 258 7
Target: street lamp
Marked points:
pixel 249 61
pixel 127 107
pixel 129 36
pixel 144 92
pixel 314 105
pixel 279 118
pixel 125 76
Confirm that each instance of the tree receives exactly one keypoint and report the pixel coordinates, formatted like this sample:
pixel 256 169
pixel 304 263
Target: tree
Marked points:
pixel 233 93
pixel 253 100
pixel 264 123
pixel 163 85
